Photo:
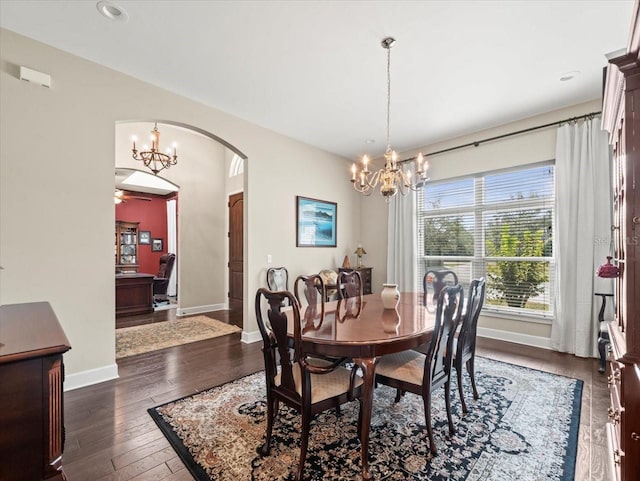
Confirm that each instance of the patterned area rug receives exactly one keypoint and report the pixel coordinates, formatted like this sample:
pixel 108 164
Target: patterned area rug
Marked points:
pixel 160 335
pixel 524 427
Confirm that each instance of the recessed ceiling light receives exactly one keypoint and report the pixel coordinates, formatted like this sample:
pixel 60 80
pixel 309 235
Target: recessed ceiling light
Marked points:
pixel 112 11
pixel 370 141
pixel 569 75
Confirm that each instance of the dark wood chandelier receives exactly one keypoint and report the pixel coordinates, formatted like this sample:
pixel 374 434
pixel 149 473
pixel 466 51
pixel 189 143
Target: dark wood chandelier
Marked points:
pixel 153 158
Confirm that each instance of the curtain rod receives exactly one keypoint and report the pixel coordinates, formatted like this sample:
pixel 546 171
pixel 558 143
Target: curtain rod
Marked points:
pixel 497 137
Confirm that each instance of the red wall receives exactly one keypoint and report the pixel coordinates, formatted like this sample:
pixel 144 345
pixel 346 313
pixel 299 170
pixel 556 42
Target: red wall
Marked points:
pixel 152 216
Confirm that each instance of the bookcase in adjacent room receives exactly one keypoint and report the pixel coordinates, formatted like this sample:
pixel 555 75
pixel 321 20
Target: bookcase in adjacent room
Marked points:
pixel 126 246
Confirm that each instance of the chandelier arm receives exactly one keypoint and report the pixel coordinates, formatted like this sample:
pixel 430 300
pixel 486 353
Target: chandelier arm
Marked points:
pixel 370 182
pixel 363 190
pixel 415 187
pixel 375 178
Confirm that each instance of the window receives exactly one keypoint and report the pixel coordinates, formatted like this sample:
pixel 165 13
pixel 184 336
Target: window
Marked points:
pixel 237 166
pixel 497 225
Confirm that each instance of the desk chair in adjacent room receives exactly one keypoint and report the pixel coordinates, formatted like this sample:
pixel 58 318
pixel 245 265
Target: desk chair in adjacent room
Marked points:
pixel 161 280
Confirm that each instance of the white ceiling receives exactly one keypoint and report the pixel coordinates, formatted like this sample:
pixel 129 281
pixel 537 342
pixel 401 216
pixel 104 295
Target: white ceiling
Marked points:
pixel 315 70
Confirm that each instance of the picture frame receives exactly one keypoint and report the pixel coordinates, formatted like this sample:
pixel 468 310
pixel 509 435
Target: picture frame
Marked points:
pixel 145 237
pixel 316 222
pixel 156 245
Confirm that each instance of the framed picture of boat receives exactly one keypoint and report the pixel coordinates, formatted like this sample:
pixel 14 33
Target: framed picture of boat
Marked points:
pixel 316 222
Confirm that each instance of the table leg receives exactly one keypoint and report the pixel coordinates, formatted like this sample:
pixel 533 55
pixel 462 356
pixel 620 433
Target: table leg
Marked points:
pixel 368 366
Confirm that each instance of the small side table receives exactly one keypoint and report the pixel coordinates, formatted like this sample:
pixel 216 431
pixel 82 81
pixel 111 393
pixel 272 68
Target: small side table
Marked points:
pixel 603 334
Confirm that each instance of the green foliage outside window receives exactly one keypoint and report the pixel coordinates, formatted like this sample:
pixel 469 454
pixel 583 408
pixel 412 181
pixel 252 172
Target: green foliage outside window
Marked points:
pixel 515 282
pixel 447 236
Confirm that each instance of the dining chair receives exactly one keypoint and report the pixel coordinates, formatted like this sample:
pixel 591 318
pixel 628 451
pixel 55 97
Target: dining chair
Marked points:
pixel 311 289
pixel 464 345
pixel 349 284
pixel 421 374
pixel 306 385
pixel 349 295
pixel 432 283
pixel 278 279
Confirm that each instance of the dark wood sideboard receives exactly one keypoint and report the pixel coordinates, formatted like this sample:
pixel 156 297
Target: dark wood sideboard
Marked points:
pixel 620 113
pixel 134 294
pixel 31 376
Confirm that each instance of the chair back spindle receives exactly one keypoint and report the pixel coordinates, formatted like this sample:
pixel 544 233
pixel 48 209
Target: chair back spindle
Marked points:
pixel 433 282
pixel 467 337
pixel 465 349
pixel 440 352
pixel 274 336
pixel 278 279
pixel 349 295
pixel 311 289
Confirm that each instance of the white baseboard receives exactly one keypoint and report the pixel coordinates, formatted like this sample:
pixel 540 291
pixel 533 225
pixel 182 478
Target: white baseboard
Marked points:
pixel 89 377
pixel 526 339
pixel 189 311
pixel 251 337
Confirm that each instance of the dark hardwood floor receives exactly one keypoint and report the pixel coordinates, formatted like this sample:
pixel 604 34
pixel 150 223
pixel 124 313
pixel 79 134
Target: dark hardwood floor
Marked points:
pixel 111 437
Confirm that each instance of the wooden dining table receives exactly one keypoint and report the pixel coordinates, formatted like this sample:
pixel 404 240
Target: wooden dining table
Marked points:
pixel 364 333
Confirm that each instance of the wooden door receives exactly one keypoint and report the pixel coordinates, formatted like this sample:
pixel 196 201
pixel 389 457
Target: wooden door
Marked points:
pixel 235 251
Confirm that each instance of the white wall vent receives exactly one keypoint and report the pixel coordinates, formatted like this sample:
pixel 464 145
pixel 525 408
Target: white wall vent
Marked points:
pixel 36 77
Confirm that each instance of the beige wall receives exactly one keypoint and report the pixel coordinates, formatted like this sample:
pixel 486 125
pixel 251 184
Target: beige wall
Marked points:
pixel 57 151
pixel 271 220
pixel 509 152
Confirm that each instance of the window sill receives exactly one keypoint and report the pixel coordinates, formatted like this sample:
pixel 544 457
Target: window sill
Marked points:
pixel 513 316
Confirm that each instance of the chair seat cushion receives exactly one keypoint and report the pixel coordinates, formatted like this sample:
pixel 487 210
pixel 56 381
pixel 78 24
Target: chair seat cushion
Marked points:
pixel 407 366
pixel 324 386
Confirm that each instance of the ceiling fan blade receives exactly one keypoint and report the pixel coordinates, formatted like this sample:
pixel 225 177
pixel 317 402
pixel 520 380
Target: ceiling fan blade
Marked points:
pixel 125 195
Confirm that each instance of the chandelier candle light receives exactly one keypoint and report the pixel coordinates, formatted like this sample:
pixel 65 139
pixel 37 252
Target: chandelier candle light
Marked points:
pixel 152 158
pixel 391 177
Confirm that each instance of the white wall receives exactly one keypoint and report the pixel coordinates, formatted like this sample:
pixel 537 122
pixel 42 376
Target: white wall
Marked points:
pixel 57 150
pixel 512 151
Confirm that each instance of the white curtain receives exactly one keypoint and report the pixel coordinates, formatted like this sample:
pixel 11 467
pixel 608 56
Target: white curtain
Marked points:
pixel 583 233
pixel 402 241
pixel 172 245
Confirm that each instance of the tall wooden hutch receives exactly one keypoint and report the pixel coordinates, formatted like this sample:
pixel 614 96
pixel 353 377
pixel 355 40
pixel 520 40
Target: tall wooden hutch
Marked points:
pixel 126 246
pixel 621 111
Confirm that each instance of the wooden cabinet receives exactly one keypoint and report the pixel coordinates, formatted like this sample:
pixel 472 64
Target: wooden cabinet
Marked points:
pixel 365 274
pixel 126 246
pixel 621 110
pixel 31 376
